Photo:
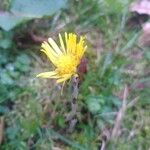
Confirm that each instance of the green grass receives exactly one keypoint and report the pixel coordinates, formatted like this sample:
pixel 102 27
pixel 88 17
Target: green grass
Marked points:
pixel 34 110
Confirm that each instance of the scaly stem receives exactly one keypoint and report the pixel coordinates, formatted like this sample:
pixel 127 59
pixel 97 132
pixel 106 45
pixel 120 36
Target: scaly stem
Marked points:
pixel 72 115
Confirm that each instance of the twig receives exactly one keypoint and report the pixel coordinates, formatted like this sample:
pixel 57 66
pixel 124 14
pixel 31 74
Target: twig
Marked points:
pixel 72 125
pixel 36 38
pixel 120 115
pixel 56 148
pixel 103 145
pixel 105 136
pixel 1 129
pixel 119 118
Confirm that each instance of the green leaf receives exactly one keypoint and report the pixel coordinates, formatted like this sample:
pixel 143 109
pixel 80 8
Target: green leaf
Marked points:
pixel 115 7
pixel 60 121
pixel 3 93
pixel 3 109
pixel 3 58
pixel 105 114
pixel 24 10
pixel 5 78
pixel 5 43
pixel 95 103
pixel 115 100
pixel 23 59
pixel 36 8
pixel 8 21
pixel 147 54
pixel 12 132
pixel 6 40
pixel 22 63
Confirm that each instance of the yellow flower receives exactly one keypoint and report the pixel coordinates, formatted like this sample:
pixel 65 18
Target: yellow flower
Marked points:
pixel 66 58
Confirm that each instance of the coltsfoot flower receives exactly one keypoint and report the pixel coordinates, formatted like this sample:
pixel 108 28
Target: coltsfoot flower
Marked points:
pixel 66 58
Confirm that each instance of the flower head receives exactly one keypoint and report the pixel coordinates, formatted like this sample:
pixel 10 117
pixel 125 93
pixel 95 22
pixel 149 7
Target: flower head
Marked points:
pixel 66 58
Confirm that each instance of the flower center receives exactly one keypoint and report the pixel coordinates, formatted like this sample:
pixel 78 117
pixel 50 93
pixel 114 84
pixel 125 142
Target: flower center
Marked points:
pixel 67 64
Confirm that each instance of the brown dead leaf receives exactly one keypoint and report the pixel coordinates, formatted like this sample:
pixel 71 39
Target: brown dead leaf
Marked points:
pixel 146 27
pixel 141 7
pixel 144 39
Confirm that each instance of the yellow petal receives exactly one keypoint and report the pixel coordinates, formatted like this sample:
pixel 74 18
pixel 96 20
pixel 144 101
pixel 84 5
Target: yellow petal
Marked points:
pixel 80 48
pixel 62 43
pixel 48 48
pixel 54 46
pixel 69 43
pixel 66 39
pixel 50 56
pixel 66 77
pixel 50 74
pixel 72 43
